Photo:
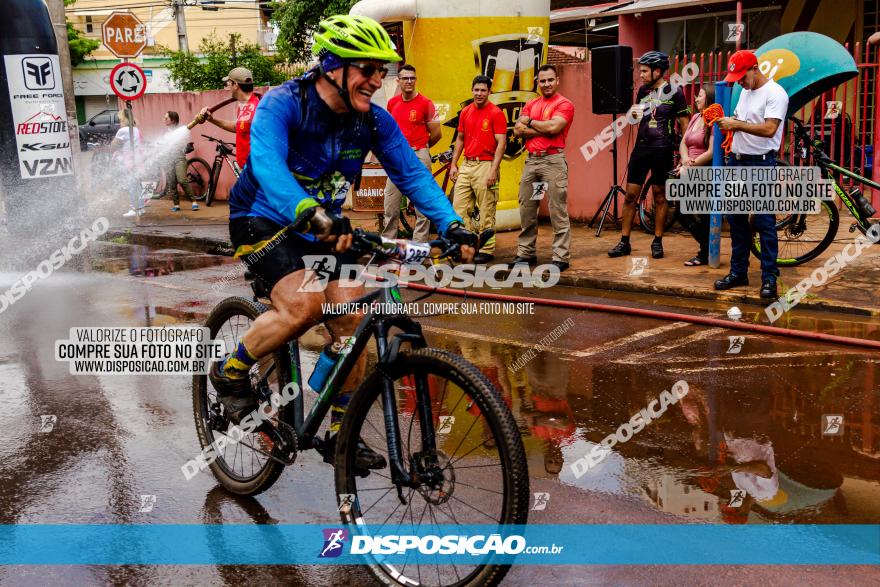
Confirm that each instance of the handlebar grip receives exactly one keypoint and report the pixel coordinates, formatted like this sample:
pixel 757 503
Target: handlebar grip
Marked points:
pixel 303 219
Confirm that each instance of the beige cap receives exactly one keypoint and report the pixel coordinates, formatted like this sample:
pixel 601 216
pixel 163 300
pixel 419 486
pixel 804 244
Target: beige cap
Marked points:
pixel 240 75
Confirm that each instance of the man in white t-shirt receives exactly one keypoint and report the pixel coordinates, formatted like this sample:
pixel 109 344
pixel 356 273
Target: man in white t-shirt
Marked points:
pixel 757 123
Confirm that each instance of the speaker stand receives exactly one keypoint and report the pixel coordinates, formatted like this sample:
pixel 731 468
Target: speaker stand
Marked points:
pixel 611 197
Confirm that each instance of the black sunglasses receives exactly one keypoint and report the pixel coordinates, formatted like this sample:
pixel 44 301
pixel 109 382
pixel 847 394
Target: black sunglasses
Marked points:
pixel 370 69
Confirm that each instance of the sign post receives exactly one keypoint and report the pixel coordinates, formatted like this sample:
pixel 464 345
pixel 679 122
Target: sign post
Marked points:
pixel 129 82
pixel 722 96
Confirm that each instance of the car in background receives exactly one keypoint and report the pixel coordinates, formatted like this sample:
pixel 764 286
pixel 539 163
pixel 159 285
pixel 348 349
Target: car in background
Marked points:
pixel 99 129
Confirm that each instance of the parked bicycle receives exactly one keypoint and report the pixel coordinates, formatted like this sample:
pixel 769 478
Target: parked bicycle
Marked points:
pixel 405 229
pixel 225 153
pixel 197 170
pixel 803 237
pixel 645 210
pixel 452 449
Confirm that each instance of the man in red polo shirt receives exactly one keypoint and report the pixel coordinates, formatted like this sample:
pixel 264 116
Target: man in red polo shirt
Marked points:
pixel 240 82
pixel 482 136
pixel 415 115
pixel 544 124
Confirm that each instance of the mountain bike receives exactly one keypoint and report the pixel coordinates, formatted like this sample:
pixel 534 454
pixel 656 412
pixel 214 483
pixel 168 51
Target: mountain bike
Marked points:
pixel 452 449
pixel 154 179
pixel 225 152
pixel 803 237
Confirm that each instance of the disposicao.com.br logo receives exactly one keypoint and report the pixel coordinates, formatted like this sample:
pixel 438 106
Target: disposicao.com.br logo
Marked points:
pixel 431 544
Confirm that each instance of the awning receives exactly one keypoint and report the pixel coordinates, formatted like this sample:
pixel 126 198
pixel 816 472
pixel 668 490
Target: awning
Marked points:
pixel 580 13
pixel 626 7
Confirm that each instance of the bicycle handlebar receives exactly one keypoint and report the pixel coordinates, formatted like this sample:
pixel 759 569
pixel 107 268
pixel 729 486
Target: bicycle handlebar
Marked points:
pixel 402 250
pixel 228 147
pixel 444 157
pixel 210 138
pixel 806 142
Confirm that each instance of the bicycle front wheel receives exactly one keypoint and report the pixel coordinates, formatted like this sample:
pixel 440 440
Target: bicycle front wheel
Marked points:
pixel 803 237
pixel 457 437
pixel 199 174
pixel 407 222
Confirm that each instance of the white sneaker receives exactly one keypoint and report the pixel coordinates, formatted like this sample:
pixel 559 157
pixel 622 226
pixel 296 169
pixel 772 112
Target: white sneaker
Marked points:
pixel 130 214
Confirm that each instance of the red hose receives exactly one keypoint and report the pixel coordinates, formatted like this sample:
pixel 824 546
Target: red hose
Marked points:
pixel 212 109
pixel 772 330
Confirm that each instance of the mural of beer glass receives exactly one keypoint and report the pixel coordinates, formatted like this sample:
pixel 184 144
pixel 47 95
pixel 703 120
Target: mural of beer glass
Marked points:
pixel 505 70
pixel 528 62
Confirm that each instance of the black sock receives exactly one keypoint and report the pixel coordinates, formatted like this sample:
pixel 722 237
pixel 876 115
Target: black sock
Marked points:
pixel 658 239
pixel 624 239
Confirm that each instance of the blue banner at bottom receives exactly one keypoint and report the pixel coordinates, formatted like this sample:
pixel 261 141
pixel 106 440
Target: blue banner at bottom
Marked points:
pixel 631 544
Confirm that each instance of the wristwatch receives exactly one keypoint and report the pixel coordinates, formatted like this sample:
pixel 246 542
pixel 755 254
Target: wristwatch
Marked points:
pixel 529 124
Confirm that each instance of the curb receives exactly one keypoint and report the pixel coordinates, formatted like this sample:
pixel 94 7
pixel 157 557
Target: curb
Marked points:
pixel 214 246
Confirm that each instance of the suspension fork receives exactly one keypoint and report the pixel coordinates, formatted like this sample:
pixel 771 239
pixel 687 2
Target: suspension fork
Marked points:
pixel 399 476
pixel 233 166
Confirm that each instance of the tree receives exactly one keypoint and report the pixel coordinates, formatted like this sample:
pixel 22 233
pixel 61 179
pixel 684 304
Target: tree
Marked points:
pixel 297 22
pixel 80 46
pixel 192 74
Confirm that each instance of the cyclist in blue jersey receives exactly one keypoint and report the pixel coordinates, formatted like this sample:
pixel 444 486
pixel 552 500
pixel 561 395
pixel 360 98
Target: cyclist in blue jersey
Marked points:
pixel 309 139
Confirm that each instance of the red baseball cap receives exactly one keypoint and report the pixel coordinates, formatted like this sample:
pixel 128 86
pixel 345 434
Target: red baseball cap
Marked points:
pixel 738 64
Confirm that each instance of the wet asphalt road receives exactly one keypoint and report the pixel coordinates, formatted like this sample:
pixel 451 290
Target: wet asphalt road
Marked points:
pixel 120 437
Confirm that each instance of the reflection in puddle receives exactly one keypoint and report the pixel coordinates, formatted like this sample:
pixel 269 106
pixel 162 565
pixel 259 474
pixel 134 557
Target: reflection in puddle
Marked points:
pixel 745 450
pixel 143 261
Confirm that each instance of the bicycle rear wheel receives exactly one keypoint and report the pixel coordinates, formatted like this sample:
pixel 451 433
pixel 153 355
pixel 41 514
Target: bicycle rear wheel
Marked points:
pixel 199 174
pixel 241 467
pixel 475 474
pixel 803 237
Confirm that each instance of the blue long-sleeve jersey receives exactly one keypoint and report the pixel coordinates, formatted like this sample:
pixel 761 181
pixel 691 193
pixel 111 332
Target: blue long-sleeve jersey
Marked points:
pixel 301 149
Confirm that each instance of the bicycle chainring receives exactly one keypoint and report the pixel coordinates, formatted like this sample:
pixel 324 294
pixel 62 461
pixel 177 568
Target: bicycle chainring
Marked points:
pixel 286 452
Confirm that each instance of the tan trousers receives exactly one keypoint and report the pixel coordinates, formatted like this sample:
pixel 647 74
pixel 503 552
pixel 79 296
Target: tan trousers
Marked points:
pixel 422 229
pixel 552 170
pixel 470 190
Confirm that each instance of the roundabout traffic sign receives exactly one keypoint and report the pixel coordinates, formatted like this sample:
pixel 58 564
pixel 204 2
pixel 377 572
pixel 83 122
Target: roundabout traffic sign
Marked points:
pixel 128 81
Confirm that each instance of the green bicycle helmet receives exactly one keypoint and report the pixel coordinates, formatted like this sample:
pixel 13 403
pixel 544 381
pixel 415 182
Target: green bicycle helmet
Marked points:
pixel 354 37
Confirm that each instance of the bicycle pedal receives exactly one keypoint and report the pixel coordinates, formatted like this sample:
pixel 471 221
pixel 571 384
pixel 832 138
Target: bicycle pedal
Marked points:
pixel 852 227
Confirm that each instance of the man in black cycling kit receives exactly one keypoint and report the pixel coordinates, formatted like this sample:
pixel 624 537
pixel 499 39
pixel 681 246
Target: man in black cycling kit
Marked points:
pixel 309 139
pixel 660 107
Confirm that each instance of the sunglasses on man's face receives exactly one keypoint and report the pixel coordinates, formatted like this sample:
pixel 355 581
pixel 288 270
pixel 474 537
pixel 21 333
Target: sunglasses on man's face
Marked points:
pixel 407 80
pixel 370 69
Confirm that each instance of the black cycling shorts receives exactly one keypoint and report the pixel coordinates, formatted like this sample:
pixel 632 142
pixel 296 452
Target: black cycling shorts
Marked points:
pixel 658 161
pixel 271 254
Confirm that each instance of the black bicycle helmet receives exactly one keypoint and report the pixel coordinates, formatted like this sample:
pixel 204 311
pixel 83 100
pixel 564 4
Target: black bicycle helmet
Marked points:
pixel 655 60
